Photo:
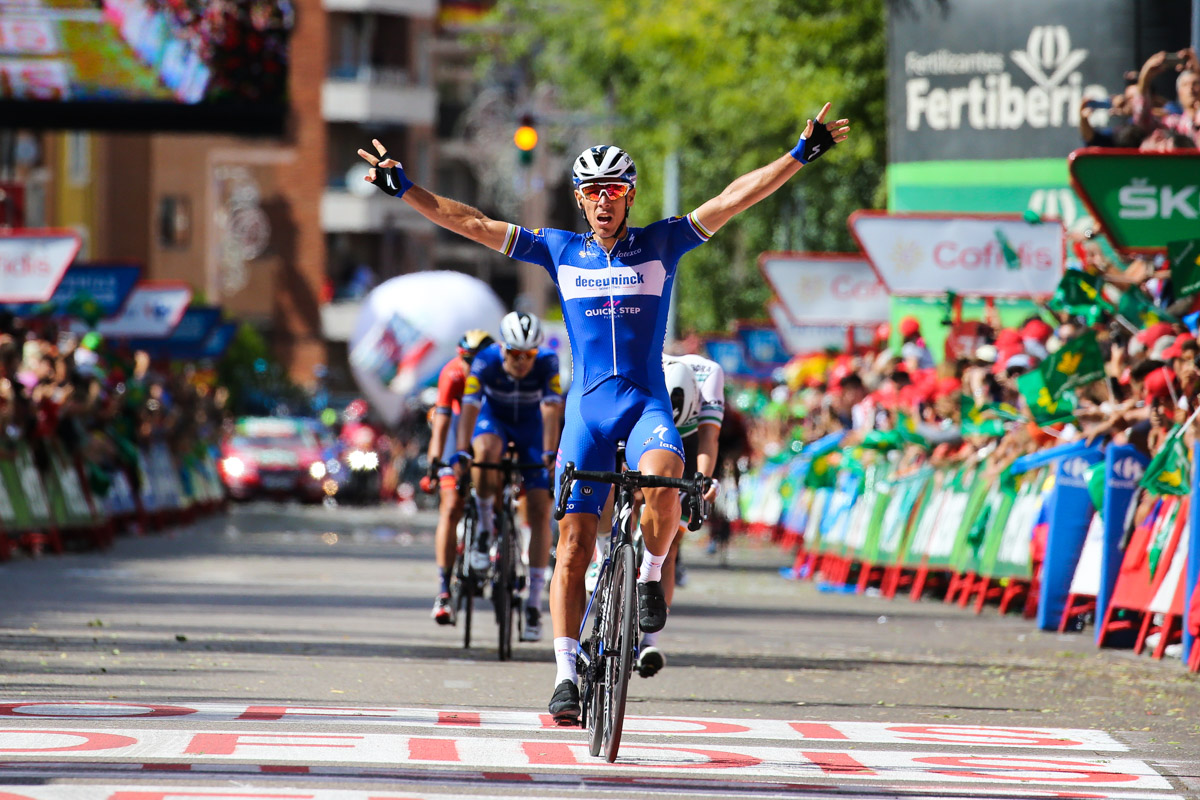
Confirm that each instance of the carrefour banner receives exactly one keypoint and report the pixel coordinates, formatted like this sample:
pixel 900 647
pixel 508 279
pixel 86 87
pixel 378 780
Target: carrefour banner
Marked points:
pixel 731 355
pixel 105 286
pixel 193 330
pixel 152 311
pixel 826 288
pixel 980 255
pixel 980 80
pixel 762 344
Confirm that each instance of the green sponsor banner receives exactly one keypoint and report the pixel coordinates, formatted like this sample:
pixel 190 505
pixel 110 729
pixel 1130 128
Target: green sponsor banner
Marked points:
pixel 1142 200
pixel 1185 266
pixel 1040 185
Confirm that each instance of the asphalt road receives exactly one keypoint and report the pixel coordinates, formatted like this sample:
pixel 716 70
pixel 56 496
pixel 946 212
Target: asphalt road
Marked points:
pixel 197 660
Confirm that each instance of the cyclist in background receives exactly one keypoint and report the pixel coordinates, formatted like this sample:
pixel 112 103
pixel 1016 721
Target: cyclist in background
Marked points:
pixel 696 386
pixel 514 394
pixel 614 284
pixel 451 382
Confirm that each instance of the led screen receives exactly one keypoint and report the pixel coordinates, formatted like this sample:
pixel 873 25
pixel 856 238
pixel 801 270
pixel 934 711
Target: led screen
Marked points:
pixel 215 65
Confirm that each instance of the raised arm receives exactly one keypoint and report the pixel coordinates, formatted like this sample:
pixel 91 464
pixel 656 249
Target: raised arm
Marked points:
pixel 388 175
pixel 817 139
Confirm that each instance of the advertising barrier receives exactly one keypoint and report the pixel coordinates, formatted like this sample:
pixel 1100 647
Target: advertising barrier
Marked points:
pixel 874 523
pixel 47 502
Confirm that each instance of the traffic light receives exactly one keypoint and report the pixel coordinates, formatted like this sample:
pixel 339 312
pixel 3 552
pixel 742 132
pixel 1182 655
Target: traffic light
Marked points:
pixel 525 138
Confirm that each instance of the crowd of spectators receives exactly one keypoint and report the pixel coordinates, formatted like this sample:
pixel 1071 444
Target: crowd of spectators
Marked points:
pixel 104 404
pixel 243 42
pixel 1144 115
pixel 970 408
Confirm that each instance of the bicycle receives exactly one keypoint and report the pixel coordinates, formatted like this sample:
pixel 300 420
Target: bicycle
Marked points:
pixel 508 573
pixel 608 656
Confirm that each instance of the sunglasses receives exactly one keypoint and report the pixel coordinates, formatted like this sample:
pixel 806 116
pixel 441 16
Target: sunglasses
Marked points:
pixel 594 191
pixel 520 355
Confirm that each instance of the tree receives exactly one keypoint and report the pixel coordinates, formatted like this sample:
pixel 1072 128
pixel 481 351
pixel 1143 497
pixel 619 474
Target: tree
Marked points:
pixel 729 87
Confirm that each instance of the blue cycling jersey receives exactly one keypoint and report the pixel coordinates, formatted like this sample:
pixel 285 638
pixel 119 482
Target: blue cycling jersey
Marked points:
pixel 614 303
pixel 514 401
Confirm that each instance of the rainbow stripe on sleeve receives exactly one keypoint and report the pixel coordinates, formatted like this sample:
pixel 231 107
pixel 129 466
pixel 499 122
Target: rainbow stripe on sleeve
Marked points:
pixel 704 233
pixel 510 240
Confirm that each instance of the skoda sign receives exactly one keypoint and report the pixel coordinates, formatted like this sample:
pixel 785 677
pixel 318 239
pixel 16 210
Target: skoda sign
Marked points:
pixel 1143 200
pixel 973 80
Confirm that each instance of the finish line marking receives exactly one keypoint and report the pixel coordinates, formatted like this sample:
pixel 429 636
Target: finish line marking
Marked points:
pixel 178 747
pixel 138 791
pixel 1015 737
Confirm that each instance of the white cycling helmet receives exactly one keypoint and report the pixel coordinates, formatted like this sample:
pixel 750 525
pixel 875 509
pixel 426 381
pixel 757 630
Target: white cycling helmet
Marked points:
pixel 521 331
pixel 604 162
pixel 683 389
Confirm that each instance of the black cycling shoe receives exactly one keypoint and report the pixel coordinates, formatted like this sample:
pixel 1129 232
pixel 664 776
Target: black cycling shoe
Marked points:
pixel 652 607
pixel 564 703
pixel 650 661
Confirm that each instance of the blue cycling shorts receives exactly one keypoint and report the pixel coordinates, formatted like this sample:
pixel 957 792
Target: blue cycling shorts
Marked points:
pixel 613 410
pixel 526 436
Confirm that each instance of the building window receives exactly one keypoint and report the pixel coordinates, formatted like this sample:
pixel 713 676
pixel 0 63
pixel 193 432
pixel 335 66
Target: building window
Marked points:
pixel 174 221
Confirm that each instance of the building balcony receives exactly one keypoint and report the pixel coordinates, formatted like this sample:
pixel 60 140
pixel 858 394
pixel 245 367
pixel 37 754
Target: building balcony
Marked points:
pixel 418 9
pixel 366 99
pixel 345 212
pixel 338 319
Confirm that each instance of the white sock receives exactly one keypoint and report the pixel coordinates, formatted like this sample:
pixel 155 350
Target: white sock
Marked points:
pixel 565 649
pixel 651 567
pixel 487 514
pixel 650 639
pixel 537 580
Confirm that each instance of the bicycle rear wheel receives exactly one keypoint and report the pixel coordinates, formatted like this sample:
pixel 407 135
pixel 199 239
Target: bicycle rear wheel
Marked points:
pixel 620 637
pixel 504 585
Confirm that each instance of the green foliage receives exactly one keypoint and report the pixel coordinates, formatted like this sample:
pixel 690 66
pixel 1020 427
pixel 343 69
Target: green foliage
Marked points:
pixel 730 87
pixel 257 383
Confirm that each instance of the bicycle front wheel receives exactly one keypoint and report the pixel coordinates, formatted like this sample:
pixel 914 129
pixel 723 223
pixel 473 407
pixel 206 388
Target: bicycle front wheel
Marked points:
pixel 619 640
pixel 502 589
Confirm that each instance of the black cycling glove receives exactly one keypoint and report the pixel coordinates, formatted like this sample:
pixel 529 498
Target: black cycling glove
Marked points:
pixel 391 180
pixel 813 147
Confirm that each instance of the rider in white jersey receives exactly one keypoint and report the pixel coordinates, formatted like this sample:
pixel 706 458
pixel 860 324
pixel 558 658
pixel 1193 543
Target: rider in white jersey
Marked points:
pixel 614 286
pixel 697 389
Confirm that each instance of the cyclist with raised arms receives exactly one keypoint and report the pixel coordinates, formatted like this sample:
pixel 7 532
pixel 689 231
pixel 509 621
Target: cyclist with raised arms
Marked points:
pixel 614 283
pixel 696 386
pixel 451 382
pixel 514 394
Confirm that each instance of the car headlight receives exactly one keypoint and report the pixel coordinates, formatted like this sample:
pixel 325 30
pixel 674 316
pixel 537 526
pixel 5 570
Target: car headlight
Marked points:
pixel 234 467
pixel 360 460
pixel 317 470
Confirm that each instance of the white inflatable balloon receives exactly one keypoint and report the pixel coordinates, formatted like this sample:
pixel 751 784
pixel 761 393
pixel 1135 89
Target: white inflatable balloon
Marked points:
pixel 409 328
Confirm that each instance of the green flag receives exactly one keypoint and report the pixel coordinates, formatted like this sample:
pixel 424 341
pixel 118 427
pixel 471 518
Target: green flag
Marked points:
pixel 906 427
pixel 1076 363
pixel 1139 311
pixel 1170 471
pixel 1185 266
pixel 1082 295
pixel 1045 408
pixel 1012 259
pixel 85 307
pixel 976 421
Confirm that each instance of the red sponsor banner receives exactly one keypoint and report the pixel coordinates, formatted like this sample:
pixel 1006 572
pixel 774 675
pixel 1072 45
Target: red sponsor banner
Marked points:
pixel 33 262
pixel 972 255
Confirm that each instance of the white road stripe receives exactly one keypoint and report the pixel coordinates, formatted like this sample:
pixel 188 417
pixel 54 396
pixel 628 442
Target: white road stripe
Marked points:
pixel 719 759
pixel 16 714
pixel 141 791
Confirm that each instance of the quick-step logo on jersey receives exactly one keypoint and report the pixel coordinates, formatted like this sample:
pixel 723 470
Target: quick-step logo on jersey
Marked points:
pixel 619 280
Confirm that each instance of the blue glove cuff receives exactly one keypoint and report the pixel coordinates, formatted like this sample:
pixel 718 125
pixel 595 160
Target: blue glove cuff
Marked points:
pixel 797 152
